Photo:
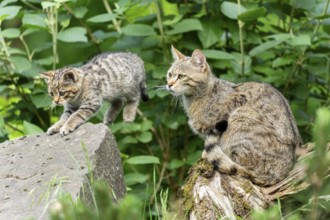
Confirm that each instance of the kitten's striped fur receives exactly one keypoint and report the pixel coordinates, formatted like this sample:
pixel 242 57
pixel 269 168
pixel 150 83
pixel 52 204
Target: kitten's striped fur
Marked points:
pixel 114 77
pixel 248 128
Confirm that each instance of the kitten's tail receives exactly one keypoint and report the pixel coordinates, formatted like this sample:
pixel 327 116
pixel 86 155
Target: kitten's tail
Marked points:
pixel 144 94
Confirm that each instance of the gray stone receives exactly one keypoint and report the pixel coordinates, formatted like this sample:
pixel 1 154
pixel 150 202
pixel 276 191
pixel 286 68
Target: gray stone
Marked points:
pixel 34 169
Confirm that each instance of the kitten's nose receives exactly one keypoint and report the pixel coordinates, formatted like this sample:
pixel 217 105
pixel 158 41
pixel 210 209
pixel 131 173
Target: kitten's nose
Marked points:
pixel 56 100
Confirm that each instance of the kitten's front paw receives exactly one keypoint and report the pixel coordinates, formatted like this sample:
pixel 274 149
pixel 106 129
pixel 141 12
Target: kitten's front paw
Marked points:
pixel 65 130
pixel 53 129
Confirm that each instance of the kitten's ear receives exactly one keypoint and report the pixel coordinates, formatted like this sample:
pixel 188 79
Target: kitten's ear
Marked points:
pixel 177 55
pixel 198 59
pixel 47 75
pixel 70 77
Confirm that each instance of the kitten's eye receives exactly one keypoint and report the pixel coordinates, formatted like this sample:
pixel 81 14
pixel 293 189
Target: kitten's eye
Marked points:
pixel 51 94
pixel 169 74
pixel 61 93
pixel 181 76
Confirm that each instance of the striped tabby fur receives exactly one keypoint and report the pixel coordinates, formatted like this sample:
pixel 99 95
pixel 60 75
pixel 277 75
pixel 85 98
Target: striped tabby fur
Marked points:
pixel 118 78
pixel 248 128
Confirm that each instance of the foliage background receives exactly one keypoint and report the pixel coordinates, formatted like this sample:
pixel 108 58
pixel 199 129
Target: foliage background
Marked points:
pixel 281 42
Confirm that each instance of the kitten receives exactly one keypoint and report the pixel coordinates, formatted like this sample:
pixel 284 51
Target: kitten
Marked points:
pixel 113 77
pixel 248 128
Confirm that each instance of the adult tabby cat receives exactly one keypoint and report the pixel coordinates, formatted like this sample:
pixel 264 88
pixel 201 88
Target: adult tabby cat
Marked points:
pixel 114 77
pixel 248 128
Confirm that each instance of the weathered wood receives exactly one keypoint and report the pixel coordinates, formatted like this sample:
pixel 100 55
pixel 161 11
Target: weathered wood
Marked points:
pixel 209 194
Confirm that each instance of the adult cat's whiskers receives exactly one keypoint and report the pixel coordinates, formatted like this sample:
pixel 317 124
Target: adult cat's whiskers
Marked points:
pixel 174 104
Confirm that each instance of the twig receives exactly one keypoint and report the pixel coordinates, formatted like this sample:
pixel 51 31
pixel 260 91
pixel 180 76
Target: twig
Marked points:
pixel 114 21
pixel 240 29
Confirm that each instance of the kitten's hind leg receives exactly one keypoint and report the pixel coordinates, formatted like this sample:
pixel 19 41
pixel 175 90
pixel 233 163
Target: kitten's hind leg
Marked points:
pixel 113 111
pixel 130 111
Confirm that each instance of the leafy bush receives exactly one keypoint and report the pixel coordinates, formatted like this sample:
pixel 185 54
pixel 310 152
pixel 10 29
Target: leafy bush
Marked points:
pixel 285 43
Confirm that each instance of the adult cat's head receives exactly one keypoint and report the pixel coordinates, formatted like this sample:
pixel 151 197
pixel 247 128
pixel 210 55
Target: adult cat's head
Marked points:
pixel 63 84
pixel 187 74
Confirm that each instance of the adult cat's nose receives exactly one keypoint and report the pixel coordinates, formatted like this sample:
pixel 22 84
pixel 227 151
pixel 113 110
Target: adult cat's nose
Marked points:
pixel 168 86
pixel 170 83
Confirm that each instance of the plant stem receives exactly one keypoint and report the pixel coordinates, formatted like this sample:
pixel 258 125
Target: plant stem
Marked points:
pixel 28 52
pixel 323 14
pixel 240 29
pixel 114 21
pixel 161 27
pixel 10 69
pixel 51 13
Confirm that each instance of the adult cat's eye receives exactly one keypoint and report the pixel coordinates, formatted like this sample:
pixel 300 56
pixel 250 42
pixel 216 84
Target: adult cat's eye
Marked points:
pixel 181 76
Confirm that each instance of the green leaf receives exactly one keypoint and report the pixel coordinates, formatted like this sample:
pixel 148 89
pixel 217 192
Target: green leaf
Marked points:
pixel 232 10
pixel 47 4
pixel 6 2
pixel 263 47
pixel 65 23
pixel 127 128
pixel 176 19
pixel 29 31
pixel 80 12
pixel 143 160
pixel 186 25
pixel 252 15
pixel 3 131
pixel 45 61
pixel 134 178
pixel 21 63
pixel 41 100
pixel 102 18
pixel 211 33
pixel 9 12
pixel 139 30
pixel 129 140
pixel 30 128
pixel 237 63
pixel 217 54
pixel 35 21
pixel 2 88
pixel 11 33
pixel 175 164
pixel 146 125
pixel 194 157
pixel 282 37
pixel 145 137
pixel 301 40
pixel 319 162
pixel 74 34
pixel 282 61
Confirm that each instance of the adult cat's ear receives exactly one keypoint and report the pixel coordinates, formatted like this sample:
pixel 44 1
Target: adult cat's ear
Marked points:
pixel 47 75
pixel 198 59
pixel 177 55
pixel 70 77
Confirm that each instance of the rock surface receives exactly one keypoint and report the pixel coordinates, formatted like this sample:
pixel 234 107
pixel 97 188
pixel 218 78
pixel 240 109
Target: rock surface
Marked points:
pixel 35 168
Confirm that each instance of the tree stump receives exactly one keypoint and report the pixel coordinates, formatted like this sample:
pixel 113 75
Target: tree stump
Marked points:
pixel 208 194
